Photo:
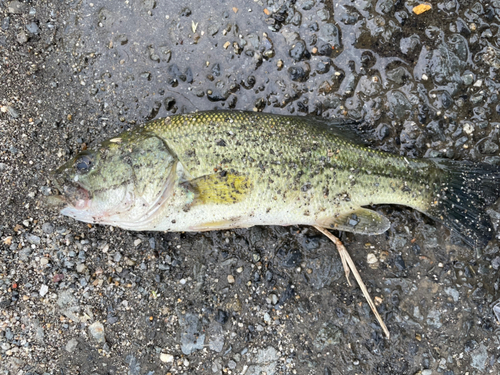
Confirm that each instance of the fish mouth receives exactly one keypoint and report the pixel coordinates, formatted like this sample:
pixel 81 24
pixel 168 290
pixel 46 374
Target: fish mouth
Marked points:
pixel 71 194
pixel 77 203
pixel 77 196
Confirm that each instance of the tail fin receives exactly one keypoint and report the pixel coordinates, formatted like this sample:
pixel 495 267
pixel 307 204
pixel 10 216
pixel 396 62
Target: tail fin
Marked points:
pixel 466 191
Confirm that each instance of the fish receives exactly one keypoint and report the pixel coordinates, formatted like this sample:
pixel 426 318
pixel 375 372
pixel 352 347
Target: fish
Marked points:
pixel 217 170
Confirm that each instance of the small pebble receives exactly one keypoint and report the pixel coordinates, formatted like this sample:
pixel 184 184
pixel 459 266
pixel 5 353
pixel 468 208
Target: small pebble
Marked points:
pixel 274 298
pixel 22 38
pixel 33 28
pixel 468 78
pixel 32 239
pixel 468 128
pixel 16 7
pixel 96 330
pixel 5 23
pixel 267 318
pixel 71 345
pixel 164 357
pixel 81 267
pixel 230 279
pixel 48 228
pixel 371 258
pixel 44 289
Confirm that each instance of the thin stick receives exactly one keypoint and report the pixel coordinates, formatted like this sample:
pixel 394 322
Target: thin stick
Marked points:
pixel 346 260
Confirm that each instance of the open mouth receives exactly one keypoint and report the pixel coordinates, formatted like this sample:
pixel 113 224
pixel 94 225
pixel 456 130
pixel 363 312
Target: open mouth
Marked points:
pixel 77 204
pixel 71 194
pixel 78 196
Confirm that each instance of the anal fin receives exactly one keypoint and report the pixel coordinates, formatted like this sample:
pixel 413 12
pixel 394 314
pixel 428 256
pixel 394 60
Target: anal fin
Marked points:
pixel 361 220
pixel 218 225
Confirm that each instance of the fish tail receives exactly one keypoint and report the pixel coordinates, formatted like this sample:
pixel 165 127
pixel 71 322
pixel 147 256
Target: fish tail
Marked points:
pixel 465 191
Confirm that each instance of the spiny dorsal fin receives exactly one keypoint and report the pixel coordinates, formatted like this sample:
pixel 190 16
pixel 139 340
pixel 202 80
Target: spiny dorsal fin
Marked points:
pixel 361 220
pixel 219 188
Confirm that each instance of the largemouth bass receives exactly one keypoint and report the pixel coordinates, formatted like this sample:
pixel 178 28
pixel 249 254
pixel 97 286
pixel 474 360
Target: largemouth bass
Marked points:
pixel 222 170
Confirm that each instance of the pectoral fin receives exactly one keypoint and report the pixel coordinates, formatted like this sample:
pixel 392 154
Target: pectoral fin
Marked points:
pixel 219 188
pixel 362 221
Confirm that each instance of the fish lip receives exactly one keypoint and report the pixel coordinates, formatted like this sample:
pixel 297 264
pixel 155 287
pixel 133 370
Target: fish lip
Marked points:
pixel 75 195
pixel 83 199
pixel 71 193
pixel 55 198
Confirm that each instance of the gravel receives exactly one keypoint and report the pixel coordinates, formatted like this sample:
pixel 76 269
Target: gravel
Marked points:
pixel 96 330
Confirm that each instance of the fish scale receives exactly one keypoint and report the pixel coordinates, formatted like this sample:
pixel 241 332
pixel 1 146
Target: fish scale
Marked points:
pixel 295 154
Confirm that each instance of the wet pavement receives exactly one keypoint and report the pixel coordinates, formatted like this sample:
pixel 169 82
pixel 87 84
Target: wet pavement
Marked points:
pixel 80 299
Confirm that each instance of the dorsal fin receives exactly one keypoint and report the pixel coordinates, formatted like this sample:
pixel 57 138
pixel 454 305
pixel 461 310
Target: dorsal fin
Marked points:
pixel 341 127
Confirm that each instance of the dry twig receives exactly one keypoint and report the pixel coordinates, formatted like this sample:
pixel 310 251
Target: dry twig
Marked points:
pixel 349 264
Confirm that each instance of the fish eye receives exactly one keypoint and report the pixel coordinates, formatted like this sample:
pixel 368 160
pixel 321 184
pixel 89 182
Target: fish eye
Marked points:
pixel 84 163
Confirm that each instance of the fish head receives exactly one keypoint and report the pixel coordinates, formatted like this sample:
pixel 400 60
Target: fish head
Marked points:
pixel 122 182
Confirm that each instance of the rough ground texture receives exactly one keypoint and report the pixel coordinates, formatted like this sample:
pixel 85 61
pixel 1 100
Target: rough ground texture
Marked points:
pixel 79 299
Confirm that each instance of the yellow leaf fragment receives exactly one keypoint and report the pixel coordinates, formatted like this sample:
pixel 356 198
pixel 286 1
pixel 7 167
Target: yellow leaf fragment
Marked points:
pixel 419 9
